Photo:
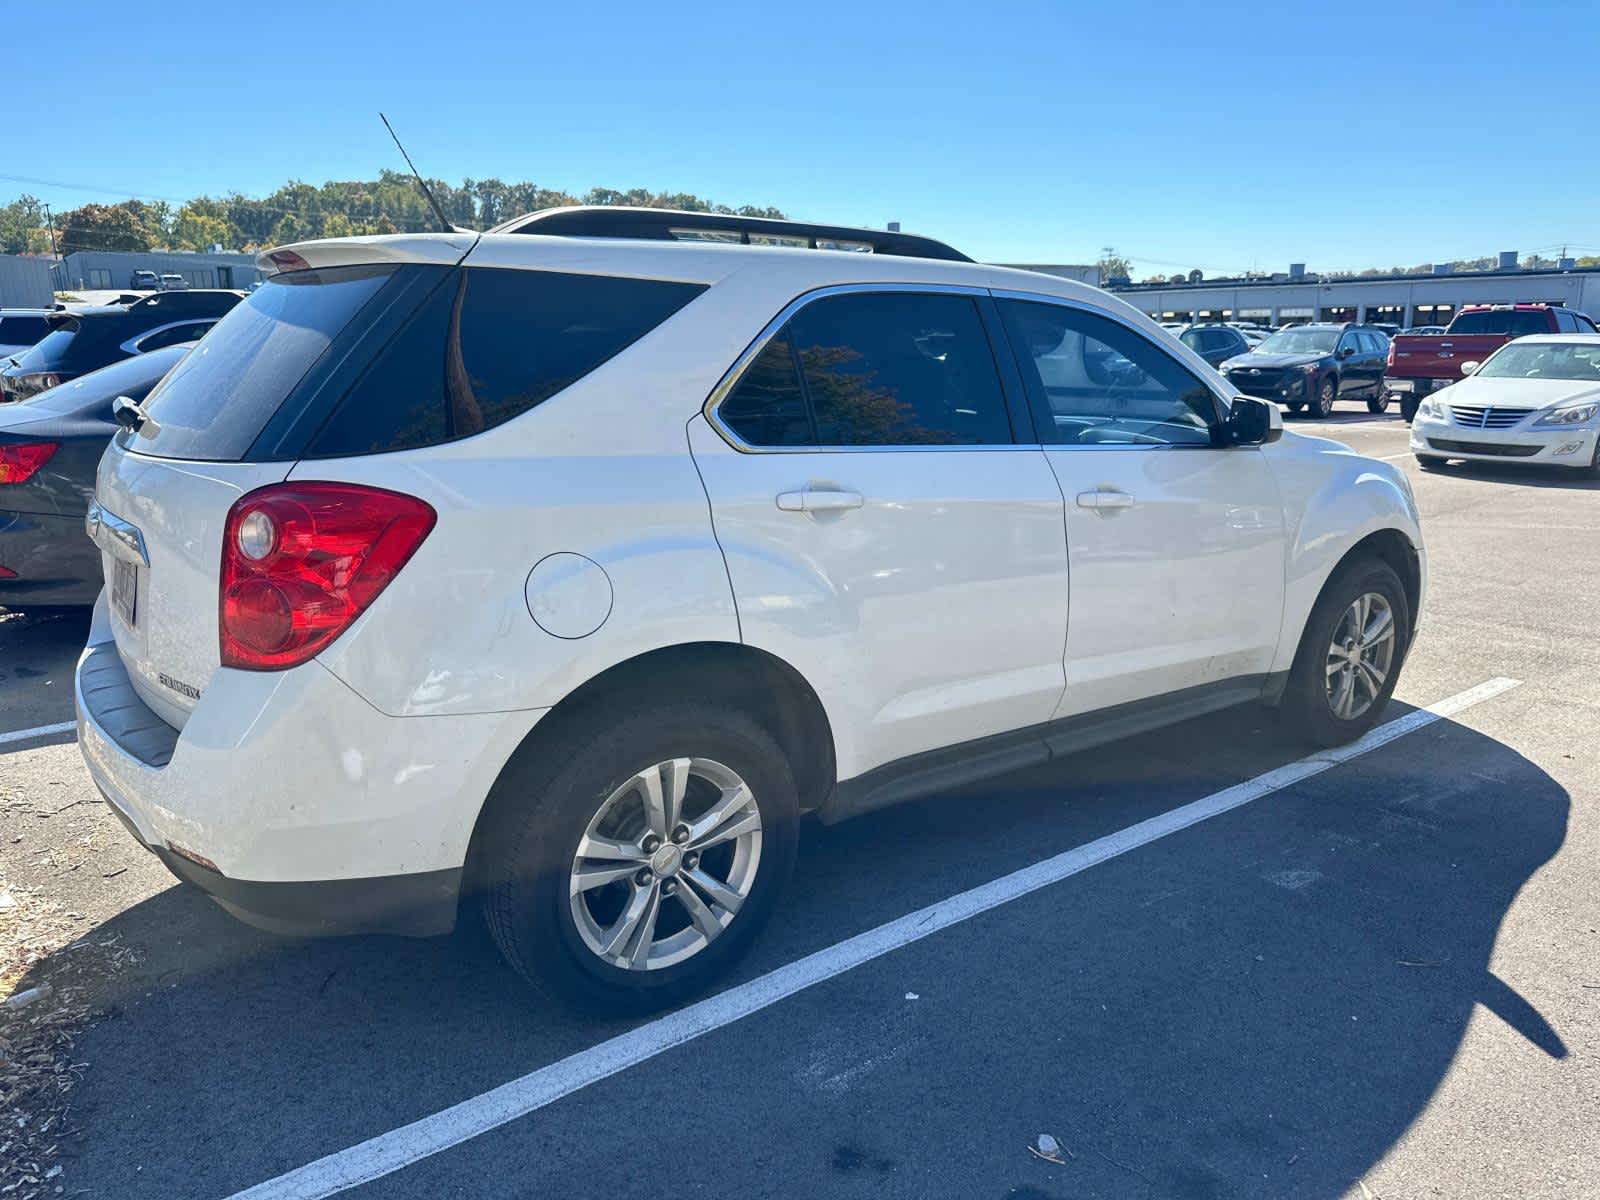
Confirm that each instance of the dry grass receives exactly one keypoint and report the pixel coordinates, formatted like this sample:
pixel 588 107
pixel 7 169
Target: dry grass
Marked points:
pixel 54 954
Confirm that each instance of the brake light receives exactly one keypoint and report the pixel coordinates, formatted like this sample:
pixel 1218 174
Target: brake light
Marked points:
pixel 301 561
pixel 20 460
pixel 1390 359
pixel 288 260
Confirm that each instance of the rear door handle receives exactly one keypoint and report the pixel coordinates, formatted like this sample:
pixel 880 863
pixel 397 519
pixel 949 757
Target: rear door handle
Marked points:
pixel 1104 498
pixel 819 500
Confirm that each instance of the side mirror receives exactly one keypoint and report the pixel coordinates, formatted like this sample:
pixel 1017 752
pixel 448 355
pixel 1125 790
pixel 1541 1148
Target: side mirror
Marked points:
pixel 1469 367
pixel 1252 423
pixel 1348 352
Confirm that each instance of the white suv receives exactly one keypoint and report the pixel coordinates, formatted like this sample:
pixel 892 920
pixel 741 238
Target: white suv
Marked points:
pixel 570 564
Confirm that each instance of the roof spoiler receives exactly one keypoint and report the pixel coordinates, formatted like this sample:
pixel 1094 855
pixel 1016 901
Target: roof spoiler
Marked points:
pixel 447 249
pixel 665 224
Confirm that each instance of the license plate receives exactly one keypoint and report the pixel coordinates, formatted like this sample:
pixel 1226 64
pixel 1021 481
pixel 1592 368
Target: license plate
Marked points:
pixel 1400 385
pixel 125 591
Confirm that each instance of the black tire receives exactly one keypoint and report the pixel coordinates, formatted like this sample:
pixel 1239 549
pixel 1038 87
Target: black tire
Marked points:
pixel 539 812
pixel 1327 392
pixel 1409 403
pixel 1294 406
pixel 1431 462
pixel 1307 708
pixel 1378 403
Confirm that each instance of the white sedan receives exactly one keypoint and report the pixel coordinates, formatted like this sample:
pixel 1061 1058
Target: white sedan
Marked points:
pixel 1535 400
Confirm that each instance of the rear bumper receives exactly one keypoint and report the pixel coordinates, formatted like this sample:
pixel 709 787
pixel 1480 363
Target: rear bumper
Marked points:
pixel 1546 447
pixel 313 813
pixel 55 564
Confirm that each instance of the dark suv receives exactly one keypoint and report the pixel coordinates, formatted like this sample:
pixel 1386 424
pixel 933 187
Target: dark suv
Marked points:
pixel 1215 343
pixel 1311 366
pixel 85 339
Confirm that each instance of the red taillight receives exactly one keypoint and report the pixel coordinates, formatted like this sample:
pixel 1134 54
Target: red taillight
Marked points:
pixel 301 561
pixel 19 460
pixel 1390 359
pixel 7 573
pixel 288 260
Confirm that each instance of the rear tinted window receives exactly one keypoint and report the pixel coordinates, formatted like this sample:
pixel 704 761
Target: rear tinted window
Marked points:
pixel 1512 322
pixel 22 331
pixel 217 401
pixel 768 408
pixel 488 345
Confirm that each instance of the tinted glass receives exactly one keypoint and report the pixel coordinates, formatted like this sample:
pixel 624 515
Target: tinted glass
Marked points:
pixel 1095 382
pixel 53 350
pixel 94 393
pixel 1513 322
pixel 22 331
pixel 1565 323
pixel 489 345
pixel 215 404
pixel 899 368
pixel 767 408
pixel 191 332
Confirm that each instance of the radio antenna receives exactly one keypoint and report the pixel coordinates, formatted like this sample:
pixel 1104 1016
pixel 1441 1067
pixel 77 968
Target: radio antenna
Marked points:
pixel 444 223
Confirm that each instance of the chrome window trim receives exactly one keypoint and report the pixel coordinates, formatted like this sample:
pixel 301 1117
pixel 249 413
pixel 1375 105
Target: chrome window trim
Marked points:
pixel 732 376
pixel 1222 401
pixel 132 344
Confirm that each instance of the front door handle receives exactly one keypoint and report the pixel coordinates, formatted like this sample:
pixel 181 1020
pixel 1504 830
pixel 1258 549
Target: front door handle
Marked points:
pixel 1104 498
pixel 819 500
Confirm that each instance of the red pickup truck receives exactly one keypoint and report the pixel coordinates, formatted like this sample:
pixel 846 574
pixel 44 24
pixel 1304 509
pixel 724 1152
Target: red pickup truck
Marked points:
pixel 1423 363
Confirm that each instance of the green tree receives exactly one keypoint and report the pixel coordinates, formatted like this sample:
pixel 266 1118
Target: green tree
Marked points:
pixel 201 224
pixel 1113 265
pixel 19 222
pixel 105 227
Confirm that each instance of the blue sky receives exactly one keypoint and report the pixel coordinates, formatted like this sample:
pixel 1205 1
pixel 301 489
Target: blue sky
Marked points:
pixel 1223 136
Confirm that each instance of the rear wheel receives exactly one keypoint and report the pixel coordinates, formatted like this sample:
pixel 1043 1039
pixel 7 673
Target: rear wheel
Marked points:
pixel 638 872
pixel 1408 406
pixel 1350 654
pixel 1378 403
pixel 1327 392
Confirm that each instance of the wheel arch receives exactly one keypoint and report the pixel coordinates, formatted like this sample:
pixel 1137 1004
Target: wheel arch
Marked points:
pixel 756 681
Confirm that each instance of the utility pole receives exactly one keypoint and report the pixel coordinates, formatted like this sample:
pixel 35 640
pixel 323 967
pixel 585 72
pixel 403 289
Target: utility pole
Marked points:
pixel 50 217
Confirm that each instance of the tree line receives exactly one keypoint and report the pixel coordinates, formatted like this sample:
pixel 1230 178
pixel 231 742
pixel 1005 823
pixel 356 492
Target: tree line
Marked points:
pixel 298 211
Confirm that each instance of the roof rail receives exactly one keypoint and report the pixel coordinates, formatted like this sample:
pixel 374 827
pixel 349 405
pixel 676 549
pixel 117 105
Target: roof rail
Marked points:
pixel 665 224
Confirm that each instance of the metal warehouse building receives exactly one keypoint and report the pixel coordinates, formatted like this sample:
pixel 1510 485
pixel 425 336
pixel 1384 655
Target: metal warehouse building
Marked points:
pixel 25 282
pixel 1403 300
pixel 91 269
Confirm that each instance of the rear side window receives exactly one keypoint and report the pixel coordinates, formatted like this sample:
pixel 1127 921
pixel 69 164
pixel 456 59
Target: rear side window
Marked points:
pixel 1564 322
pixel 488 345
pixel 217 400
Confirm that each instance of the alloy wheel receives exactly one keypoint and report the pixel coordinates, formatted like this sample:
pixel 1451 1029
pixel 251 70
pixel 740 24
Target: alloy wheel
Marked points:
pixel 665 864
pixel 1360 656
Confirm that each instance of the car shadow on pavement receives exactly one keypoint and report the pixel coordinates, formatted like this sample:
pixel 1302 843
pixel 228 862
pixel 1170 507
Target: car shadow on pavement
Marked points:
pixel 1565 478
pixel 1259 1005
pixel 38 651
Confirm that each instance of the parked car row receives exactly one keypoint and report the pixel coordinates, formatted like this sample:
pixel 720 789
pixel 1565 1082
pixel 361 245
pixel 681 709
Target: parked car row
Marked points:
pixel 1310 367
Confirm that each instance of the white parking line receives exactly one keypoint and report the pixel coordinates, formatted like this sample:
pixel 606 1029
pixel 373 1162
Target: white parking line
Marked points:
pixel 1394 457
pixel 389 1152
pixel 23 735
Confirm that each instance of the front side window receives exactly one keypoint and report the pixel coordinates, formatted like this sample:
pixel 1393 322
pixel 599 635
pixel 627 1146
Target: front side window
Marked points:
pixel 1095 382
pixel 873 369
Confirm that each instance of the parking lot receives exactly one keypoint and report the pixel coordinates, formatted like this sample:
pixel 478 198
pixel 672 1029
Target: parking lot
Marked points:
pixel 1203 964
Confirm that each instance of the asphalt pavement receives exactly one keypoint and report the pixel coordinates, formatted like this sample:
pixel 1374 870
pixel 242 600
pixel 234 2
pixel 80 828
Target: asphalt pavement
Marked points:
pixel 1381 978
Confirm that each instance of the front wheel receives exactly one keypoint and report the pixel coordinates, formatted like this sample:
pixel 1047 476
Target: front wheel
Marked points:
pixel 1327 392
pixel 1431 462
pixel 1408 406
pixel 1350 654
pixel 1378 403
pixel 637 874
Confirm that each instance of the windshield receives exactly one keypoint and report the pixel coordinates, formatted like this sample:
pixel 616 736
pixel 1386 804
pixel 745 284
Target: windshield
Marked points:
pixel 1301 341
pixel 1545 360
pixel 215 403
pixel 1510 322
